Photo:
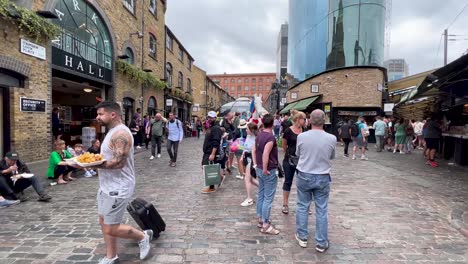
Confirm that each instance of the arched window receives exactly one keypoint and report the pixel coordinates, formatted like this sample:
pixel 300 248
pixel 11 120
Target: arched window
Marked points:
pixel 152 7
pixel 169 74
pixel 152 46
pixel 131 57
pixel 189 85
pixel 151 106
pixel 180 81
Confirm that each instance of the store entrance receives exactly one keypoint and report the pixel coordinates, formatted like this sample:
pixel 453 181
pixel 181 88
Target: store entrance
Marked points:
pixel 75 100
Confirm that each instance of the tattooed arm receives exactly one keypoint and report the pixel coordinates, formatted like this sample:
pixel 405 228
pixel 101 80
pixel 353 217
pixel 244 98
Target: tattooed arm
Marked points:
pixel 120 144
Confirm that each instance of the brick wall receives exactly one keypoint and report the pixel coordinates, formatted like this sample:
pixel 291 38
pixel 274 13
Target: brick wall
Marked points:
pixel 198 85
pixel 29 131
pixel 355 87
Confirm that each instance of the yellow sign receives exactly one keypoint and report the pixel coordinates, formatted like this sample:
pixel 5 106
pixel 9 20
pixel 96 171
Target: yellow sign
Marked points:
pixel 327 108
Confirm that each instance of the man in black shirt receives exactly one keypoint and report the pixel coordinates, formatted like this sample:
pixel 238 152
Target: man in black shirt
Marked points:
pixel 211 145
pixel 95 147
pixel 285 124
pixel 12 166
pixel 228 123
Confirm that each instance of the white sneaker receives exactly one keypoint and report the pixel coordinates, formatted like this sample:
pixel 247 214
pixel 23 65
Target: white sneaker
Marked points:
pixel 152 158
pixel 159 155
pixel 354 157
pixel 106 260
pixel 93 172
pixel 364 157
pixel 238 176
pixel 145 245
pixel 247 202
pixel 88 174
pixel 138 147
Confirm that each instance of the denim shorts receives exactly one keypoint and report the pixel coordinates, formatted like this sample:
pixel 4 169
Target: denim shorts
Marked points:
pixel 111 208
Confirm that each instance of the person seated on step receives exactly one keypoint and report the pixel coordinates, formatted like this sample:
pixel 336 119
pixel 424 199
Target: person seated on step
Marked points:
pixel 14 180
pixel 78 149
pixel 58 168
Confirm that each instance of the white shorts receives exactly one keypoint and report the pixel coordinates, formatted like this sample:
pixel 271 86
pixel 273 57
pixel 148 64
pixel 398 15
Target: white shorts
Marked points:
pixel 111 208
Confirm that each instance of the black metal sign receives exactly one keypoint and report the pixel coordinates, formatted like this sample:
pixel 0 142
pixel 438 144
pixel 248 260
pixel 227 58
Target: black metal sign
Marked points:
pixel 32 105
pixel 77 64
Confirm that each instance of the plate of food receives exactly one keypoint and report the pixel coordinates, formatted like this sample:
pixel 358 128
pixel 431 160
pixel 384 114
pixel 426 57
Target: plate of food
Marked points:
pixel 27 175
pixel 89 160
pixel 70 161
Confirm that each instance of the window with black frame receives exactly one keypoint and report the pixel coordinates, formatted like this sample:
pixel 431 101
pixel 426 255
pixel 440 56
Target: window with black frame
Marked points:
pixel 152 46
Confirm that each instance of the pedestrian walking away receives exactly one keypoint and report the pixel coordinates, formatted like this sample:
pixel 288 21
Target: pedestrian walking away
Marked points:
pixel 117 183
pixel 345 134
pixel 358 134
pixel 380 128
pixel 155 131
pixel 315 149
pixel 211 145
pixel 175 134
pixel 265 156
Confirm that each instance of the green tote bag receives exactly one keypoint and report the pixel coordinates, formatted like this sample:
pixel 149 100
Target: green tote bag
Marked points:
pixel 212 174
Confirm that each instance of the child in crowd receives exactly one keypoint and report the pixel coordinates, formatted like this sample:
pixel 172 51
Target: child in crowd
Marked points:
pixel 77 151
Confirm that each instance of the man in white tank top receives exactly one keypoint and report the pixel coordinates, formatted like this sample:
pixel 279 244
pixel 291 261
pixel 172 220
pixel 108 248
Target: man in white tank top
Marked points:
pixel 117 182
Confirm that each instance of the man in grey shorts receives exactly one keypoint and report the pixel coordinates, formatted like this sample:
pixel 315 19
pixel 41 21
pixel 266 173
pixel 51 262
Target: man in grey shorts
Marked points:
pixel 359 141
pixel 117 182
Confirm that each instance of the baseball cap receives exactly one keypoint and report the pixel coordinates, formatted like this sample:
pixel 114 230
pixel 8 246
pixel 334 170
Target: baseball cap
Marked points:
pixel 12 155
pixel 212 114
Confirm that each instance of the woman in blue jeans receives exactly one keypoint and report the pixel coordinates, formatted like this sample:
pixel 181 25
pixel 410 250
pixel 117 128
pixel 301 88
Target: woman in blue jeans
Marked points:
pixel 265 159
pixel 290 159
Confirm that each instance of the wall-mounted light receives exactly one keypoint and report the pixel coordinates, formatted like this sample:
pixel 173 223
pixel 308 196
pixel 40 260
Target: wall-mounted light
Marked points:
pixel 123 57
pixel 87 90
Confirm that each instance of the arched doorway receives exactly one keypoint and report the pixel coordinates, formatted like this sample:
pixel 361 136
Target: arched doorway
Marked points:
pixel 127 105
pixel 152 106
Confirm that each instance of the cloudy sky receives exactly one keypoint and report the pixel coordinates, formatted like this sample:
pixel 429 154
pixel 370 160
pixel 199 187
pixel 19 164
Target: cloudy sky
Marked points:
pixel 240 36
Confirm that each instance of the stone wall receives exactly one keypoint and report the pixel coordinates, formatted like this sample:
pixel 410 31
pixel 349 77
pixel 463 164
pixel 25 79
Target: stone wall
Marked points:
pixel 199 86
pixel 353 87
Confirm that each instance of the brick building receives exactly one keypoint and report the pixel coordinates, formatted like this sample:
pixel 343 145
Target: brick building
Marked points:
pixel 342 94
pixel 245 85
pixel 76 54
pixel 179 76
pixel 207 95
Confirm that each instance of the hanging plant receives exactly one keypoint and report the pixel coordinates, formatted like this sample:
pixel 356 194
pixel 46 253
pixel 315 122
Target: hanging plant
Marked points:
pixel 28 21
pixel 189 98
pixel 136 74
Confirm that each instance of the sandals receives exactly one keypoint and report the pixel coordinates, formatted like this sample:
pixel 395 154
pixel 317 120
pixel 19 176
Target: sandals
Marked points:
pixel 260 223
pixel 285 209
pixel 270 230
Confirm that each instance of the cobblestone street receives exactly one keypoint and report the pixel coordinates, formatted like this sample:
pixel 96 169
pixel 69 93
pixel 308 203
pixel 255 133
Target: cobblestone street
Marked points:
pixel 390 209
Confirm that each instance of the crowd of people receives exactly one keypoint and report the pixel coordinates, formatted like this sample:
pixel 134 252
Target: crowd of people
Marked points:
pixel 259 166
pixel 397 135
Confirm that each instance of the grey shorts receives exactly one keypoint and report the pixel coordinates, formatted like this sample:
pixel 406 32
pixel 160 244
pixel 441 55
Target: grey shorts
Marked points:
pixel 111 208
pixel 358 142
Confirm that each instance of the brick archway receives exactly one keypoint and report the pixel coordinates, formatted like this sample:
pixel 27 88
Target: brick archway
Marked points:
pixel 15 65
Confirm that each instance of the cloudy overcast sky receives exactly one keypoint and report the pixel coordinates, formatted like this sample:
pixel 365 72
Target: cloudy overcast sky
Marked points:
pixel 240 36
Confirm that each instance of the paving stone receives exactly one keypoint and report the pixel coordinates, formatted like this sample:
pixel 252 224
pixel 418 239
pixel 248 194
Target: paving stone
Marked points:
pixel 390 209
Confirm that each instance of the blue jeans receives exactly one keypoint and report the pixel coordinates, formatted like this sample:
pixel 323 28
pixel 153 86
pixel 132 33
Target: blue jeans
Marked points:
pixel 318 186
pixel 266 193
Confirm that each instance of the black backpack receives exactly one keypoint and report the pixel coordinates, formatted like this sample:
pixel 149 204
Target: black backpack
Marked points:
pixel 354 130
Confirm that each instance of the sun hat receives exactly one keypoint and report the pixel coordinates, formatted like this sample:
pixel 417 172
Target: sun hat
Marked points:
pixel 242 124
pixel 212 114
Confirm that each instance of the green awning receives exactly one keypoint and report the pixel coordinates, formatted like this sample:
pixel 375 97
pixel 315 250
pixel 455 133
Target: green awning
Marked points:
pixel 304 103
pixel 288 107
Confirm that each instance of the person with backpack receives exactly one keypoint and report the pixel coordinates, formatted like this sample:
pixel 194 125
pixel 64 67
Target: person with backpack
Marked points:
pixel 400 136
pixel 154 132
pixel 175 134
pixel 359 139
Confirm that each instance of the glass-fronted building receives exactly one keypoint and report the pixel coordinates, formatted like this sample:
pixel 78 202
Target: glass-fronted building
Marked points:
pixel 329 34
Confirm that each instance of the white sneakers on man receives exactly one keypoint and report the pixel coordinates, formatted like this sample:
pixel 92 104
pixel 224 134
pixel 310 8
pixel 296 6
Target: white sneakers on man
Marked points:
pixel 145 245
pixel 247 202
pixel 152 158
pixel 159 155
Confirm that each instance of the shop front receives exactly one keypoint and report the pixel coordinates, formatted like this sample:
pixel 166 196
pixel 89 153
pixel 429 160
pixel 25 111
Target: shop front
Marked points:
pixel 82 68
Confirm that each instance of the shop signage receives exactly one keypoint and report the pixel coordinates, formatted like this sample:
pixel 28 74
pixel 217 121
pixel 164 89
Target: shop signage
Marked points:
pixel 356 113
pixel 314 88
pixel 195 109
pixel 32 105
pixel 293 95
pixel 32 49
pixel 389 107
pixel 168 102
pixel 77 64
pixel 326 108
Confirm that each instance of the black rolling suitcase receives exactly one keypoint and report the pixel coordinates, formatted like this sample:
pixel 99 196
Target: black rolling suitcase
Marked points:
pixel 146 216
